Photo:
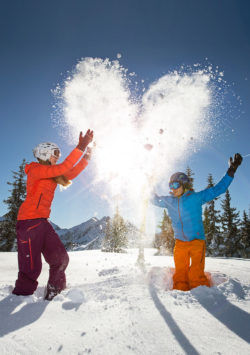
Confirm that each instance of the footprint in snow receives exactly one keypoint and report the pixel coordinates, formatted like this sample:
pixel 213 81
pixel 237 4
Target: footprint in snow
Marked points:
pixel 105 272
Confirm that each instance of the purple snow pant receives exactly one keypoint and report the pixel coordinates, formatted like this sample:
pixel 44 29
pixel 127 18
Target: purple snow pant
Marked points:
pixel 34 238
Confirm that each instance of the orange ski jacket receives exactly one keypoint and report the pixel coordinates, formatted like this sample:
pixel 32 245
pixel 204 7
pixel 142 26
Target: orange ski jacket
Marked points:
pixel 41 186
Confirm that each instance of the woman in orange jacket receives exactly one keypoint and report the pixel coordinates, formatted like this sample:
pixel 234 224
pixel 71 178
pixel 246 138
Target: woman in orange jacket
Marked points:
pixel 35 235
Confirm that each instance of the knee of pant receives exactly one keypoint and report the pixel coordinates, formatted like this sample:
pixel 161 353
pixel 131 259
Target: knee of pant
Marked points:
pixel 64 261
pixel 60 259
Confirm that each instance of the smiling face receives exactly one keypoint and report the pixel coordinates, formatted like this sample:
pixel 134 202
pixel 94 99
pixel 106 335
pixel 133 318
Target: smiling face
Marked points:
pixel 177 192
pixel 53 159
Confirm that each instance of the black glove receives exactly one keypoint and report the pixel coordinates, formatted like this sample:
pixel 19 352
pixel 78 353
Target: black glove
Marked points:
pixel 234 163
pixel 84 141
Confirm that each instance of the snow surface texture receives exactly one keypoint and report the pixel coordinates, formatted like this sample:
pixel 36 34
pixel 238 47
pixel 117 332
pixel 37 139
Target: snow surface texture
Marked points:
pixel 139 132
pixel 111 307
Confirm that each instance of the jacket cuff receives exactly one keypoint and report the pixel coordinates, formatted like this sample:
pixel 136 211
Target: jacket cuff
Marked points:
pixel 230 172
pixel 78 148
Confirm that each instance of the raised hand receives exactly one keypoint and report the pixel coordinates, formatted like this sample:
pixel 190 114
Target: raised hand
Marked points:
pixel 85 140
pixel 234 163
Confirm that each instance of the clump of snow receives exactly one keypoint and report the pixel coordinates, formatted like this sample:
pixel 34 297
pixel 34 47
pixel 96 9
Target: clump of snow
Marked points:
pixel 76 295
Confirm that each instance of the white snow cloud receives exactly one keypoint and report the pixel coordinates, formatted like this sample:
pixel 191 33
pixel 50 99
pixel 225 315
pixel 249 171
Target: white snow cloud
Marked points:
pixel 171 116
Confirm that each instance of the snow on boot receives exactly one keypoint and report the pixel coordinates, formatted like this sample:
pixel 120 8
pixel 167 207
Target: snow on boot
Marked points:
pixel 51 292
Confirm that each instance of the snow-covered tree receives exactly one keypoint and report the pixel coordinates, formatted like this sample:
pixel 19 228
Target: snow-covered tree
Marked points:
pixel 211 223
pixel 164 241
pixel 245 236
pixel 106 244
pixel 13 202
pixel 229 239
pixel 206 221
pixel 115 239
pixel 190 173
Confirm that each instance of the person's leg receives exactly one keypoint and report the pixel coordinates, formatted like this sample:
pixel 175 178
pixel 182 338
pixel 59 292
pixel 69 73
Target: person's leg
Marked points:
pixel 196 274
pixel 181 260
pixel 30 235
pixel 57 257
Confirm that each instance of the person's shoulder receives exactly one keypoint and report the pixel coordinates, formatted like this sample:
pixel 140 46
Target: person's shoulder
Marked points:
pixel 190 193
pixel 32 166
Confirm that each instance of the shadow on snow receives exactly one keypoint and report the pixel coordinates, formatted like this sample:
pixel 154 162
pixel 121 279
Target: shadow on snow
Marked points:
pixel 178 334
pixel 234 318
pixel 28 314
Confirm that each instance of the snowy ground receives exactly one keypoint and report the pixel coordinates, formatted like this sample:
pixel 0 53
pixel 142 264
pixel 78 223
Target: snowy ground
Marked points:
pixel 111 307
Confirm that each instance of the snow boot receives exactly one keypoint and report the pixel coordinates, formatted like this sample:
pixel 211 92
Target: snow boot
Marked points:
pixel 51 292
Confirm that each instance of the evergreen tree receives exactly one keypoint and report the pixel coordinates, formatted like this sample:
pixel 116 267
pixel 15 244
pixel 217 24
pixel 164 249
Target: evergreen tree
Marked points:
pixel 115 239
pixel 190 173
pixel 245 236
pixel 229 240
pixel 106 245
pixel 13 202
pixel 206 220
pixel 164 241
pixel 211 223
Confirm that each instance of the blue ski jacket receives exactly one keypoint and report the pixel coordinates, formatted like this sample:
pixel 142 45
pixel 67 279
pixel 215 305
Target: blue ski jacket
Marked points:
pixel 186 211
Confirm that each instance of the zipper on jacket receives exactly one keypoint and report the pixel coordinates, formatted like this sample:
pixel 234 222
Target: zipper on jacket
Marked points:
pixel 39 200
pixel 181 219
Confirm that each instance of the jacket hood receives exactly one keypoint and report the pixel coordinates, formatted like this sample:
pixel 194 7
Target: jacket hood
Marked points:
pixel 29 166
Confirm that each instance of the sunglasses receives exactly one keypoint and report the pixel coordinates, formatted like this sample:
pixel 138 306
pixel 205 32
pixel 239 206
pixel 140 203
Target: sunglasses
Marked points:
pixel 174 185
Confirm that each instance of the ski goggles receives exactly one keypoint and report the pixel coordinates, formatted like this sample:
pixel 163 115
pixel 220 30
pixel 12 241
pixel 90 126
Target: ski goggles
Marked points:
pixel 174 185
pixel 56 153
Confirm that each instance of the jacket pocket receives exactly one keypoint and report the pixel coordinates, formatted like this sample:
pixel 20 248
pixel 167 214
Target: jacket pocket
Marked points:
pixel 39 201
pixel 25 251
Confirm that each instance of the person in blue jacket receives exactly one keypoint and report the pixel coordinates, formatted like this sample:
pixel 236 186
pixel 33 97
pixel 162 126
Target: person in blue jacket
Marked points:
pixel 185 210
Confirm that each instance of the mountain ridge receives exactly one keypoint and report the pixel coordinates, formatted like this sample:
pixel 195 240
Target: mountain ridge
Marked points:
pixel 89 235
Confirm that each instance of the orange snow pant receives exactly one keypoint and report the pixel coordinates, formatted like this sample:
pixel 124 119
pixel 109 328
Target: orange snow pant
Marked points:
pixel 188 276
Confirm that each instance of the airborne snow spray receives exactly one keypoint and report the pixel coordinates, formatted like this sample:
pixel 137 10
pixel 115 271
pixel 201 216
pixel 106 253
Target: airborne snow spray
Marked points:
pixel 137 135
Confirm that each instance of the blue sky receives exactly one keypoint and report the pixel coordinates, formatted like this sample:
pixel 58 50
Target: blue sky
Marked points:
pixel 41 40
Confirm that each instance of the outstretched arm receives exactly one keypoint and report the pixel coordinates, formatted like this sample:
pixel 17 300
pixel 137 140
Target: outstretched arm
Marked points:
pixel 160 201
pixel 213 192
pixel 50 171
pixel 78 168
